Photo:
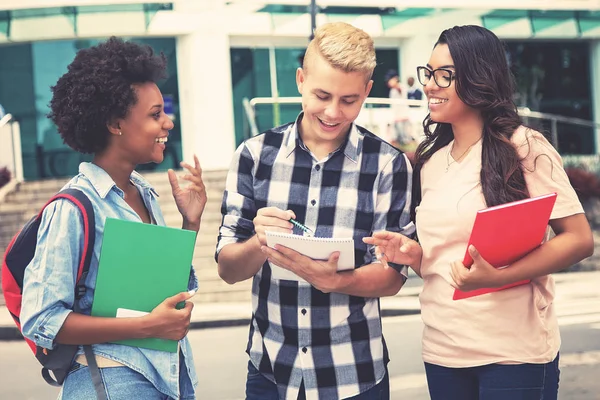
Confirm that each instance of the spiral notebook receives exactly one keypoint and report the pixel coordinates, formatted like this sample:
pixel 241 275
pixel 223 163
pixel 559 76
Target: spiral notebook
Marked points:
pixel 313 247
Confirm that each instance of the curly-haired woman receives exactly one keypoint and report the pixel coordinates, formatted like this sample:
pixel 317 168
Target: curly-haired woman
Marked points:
pixel 501 345
pixel 108 104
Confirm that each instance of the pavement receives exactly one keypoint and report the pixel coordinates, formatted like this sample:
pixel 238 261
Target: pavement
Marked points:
pixel 576 294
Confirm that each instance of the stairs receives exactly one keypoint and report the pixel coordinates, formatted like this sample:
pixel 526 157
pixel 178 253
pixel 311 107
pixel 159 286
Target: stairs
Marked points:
pixel 21 204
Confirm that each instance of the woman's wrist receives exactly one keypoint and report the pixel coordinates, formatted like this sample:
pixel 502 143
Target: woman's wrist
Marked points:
pixel 191 225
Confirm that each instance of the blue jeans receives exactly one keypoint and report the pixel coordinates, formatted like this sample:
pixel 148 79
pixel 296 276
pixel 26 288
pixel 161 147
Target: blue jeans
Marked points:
pixel 494 382
pixel 121 383
pixel 260 388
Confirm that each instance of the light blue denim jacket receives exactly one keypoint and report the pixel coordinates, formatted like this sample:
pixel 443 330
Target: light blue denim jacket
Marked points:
pixel 48 288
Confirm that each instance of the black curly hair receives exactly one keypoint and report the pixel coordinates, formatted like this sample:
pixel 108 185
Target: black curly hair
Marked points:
pixel 97 89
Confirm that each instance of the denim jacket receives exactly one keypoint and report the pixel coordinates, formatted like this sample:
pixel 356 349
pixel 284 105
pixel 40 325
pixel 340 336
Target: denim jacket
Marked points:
pixel 48 290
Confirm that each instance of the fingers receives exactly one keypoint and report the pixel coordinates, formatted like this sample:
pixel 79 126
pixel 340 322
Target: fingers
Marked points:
pixel 173 180
pixel 195 172
pixel 273 218
pixel 453 275
pixel 409 246
pixel 474 253
pixel 275 212
pixel 178 298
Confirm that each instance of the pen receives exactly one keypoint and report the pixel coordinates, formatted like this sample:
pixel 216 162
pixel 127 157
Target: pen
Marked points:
pixel 308 231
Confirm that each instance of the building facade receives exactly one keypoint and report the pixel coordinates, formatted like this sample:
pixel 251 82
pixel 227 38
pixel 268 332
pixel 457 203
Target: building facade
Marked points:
pixel 220 52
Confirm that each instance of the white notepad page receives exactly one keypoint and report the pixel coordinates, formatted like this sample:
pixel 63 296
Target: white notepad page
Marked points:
pixel 313 247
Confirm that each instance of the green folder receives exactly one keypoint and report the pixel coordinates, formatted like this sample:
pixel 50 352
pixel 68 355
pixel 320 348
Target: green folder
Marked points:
pixel 140 266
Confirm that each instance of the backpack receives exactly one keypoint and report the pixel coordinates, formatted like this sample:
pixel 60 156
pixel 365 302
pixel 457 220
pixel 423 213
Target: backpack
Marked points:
pixel 17 257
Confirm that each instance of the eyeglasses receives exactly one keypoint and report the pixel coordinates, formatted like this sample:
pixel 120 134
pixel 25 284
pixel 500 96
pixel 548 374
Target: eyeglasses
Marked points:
pixel 441 76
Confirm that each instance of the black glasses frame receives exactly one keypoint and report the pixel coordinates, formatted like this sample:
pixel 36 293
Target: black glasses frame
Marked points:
pixel 432 73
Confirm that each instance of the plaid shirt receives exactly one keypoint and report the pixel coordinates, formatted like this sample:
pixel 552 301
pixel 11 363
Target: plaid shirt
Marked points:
pixel 331 341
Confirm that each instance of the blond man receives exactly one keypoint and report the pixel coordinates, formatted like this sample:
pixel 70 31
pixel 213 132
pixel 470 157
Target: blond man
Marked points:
pixel 316 333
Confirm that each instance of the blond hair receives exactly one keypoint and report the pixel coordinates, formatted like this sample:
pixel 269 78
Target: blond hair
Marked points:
pixel 344 47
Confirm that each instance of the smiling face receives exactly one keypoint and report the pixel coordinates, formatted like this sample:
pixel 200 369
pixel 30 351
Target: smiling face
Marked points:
pixel 146 127
pixel 444 104
pixel 331 101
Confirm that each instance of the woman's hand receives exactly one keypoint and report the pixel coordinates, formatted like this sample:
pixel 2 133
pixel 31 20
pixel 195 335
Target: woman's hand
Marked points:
pixel 168 322
pixel 191 199
pixel 479 275
pixel 397 248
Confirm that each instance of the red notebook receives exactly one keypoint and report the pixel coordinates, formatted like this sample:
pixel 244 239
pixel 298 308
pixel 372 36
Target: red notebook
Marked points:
pixel 503 234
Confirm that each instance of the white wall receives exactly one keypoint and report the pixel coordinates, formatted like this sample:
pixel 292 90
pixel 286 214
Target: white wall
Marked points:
pixel 205 97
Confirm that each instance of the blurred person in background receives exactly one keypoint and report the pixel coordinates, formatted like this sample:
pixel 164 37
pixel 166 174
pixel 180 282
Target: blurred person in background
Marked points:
pixel 502 345
pixel 412 91
pixel 400 119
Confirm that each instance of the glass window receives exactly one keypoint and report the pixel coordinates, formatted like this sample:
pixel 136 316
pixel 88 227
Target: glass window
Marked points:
pixel 250 71
pixel 27 71
pixel 554 77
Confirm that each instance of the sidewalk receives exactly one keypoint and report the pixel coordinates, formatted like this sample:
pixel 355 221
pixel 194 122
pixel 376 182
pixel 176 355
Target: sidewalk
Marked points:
pixel 572 286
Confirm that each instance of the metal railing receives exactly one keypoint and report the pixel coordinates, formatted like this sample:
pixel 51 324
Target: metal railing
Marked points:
pixel 10 151
pixel 379 113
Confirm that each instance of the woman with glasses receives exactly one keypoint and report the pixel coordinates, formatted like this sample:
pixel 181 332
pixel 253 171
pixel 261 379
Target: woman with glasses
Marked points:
pixel 477 154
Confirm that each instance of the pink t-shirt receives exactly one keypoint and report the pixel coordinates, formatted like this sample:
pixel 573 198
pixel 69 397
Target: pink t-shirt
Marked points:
pixel 516 325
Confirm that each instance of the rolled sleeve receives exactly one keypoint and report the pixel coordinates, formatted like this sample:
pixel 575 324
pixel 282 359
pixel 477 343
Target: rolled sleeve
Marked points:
pixel 49 280
pixel 238 207
pixel 392 209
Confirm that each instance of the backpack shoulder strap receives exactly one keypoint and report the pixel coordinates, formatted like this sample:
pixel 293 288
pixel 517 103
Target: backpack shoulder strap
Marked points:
pixel 83 203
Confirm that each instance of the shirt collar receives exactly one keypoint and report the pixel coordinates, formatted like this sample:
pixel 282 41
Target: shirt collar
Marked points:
pixel 292 140
pixel 103 183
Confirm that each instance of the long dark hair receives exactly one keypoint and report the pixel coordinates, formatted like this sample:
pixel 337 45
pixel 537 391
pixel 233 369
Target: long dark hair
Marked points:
pixel 483 82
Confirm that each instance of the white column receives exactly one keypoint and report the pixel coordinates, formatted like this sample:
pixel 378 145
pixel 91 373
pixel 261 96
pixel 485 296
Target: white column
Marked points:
pixel 206 108
pixel 595 83
pixel 415 51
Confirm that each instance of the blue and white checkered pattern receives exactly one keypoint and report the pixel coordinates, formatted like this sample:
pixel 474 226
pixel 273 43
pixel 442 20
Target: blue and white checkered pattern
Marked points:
pixel 333 342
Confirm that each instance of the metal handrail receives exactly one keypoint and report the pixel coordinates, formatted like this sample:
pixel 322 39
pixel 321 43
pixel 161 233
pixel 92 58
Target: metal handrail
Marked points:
pixel 524 112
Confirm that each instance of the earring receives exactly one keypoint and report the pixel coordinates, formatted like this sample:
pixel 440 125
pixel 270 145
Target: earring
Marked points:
pixel 120 133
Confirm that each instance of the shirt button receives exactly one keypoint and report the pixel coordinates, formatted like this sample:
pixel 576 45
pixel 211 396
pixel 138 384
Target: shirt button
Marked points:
pixel 313 202
pixel 318 167
pixel 304 311
pixel 304 350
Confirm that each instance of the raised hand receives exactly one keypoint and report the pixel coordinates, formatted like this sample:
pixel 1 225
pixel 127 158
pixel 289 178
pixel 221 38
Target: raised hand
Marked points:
pixel 191 199
pixel 397 248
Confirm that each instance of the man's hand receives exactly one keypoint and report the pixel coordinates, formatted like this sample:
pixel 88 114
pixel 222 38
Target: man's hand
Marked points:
pixel 272 219
pixel 322 275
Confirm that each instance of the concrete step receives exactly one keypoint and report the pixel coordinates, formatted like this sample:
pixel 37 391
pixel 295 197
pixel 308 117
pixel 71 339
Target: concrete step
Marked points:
pixel 43 189
pixel 20 205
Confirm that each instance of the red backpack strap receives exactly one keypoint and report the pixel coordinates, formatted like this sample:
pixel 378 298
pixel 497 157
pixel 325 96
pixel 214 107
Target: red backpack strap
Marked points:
pixel 83 203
